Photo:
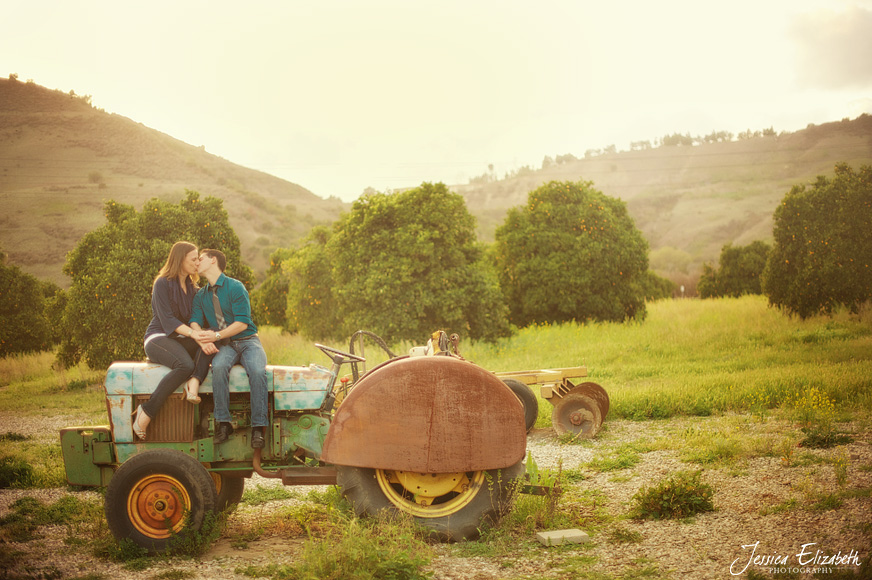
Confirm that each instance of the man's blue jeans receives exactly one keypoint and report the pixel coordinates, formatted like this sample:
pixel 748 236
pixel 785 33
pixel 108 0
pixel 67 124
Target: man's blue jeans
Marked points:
pixel 248 352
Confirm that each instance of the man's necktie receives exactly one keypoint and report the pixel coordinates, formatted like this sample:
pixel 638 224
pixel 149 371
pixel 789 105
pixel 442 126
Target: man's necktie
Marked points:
pixel 218 314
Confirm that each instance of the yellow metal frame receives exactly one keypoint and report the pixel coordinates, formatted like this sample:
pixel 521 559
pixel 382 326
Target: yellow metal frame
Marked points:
pixel 553 382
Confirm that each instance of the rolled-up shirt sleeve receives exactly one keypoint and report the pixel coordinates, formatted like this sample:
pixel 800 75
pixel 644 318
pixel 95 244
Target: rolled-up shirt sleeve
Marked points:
pixel 240 304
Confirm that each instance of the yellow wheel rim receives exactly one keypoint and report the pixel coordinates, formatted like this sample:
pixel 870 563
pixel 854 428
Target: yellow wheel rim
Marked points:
pixel 429 495
pixel 219 481
pixel 157 506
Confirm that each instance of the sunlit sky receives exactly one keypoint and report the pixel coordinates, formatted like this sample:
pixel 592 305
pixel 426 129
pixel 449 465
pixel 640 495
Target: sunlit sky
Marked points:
pixel 338 96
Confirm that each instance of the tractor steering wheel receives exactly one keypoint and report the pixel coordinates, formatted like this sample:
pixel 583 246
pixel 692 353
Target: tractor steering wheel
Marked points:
pixel 340 356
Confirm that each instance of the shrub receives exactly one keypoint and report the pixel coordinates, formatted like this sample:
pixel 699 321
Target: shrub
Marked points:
pixel 25 327
pixel 679 496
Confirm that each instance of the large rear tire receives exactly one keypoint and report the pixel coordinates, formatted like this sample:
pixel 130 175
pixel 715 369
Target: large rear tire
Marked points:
pixel 230 490
pixel 453 506
pixel 158 494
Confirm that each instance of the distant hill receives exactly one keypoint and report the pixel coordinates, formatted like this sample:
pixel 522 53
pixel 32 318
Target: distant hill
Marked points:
pixel 60 159
pixel 689 201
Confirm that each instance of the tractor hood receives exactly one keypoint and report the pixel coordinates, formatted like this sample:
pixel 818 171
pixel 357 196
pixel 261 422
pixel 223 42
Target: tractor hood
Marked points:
pixel 428 414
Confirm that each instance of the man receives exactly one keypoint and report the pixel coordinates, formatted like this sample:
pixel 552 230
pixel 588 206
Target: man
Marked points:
pixel 224 308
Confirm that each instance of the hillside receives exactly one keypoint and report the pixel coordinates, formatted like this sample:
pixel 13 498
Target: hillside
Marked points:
pixel 689 201
pixel 60 159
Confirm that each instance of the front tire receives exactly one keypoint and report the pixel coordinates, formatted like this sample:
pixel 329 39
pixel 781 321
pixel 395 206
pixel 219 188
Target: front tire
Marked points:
pixel 454 507
pixel 156 495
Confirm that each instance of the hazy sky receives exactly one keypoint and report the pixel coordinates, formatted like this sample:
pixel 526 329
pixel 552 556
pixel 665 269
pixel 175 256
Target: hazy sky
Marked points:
pixel 338 96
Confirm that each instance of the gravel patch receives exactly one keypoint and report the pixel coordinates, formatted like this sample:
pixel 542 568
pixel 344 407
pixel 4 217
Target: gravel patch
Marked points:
pixel 747 499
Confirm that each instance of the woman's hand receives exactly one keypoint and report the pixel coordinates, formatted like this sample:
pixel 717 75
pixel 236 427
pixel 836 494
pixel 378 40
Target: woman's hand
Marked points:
pixel 203 336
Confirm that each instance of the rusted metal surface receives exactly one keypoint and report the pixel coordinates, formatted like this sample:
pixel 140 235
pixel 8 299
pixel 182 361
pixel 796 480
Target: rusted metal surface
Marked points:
pixel 174 423
pixel 595 392
pixel 577 414
pixel 309 475
pixel 433 414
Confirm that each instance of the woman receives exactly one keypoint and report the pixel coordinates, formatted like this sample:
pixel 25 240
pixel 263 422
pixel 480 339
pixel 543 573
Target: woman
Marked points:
pixel 169 340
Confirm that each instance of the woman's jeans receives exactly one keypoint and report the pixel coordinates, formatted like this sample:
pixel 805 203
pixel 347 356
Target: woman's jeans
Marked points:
pixel 185 359
pixel 250 354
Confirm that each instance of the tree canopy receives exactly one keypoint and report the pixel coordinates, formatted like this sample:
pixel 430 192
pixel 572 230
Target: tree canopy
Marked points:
pixel 23 311
pixel 108 305
pixel 400 265
pixel 822 257
pixel 572 253
pixel 740 271
pixel 406 264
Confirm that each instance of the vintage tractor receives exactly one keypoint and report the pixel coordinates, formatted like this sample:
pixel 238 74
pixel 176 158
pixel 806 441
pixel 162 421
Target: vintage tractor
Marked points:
pixel 429 434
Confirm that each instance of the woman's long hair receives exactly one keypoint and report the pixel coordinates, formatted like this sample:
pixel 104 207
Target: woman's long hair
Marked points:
pixel 173 266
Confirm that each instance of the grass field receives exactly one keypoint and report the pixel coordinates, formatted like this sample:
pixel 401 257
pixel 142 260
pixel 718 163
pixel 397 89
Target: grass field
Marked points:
pixel 689 357
pixel 735 359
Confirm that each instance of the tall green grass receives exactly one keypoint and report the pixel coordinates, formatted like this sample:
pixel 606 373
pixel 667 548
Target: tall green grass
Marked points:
pixel 689 357
pixel 698 357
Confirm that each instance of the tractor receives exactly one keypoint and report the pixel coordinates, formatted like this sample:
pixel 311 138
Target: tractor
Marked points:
pixel 428 434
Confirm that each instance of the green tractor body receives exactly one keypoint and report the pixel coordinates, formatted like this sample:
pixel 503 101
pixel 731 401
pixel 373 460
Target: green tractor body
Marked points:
pixel 433 436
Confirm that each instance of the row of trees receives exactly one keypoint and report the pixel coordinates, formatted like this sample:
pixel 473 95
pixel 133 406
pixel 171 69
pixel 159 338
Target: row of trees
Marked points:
pixel 402 265
pixel 821 259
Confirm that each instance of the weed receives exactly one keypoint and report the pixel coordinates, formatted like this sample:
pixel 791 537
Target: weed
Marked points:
pixel 717 449
pixel 840 468
pixel 782 507
pixel 263 494
pixel 823 437
pixel 357 549
pixel 27 514
pixel 331 497
pixel 826 502
pixel 623 457
pixel 126 551
pixel 27 464
pixel 785 449
pixel 621 535
pixel 9 436
pixel 15 472
pixel 175 575
pixel 681 495
pixel 193 542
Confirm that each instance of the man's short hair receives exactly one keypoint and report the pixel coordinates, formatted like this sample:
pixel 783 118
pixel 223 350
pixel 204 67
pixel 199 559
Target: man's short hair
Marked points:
pixel 218 255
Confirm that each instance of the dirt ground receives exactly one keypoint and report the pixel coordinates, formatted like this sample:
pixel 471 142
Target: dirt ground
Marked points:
pixel 767 517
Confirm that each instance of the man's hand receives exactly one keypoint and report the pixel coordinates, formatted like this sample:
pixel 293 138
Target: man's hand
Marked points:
pixel 209 347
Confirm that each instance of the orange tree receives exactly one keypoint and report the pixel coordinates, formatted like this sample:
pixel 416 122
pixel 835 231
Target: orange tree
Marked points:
pixel 24 304
pixel 311 305
pixel 571 253
pixel 405 264
pixel 822 256
pixel 108 305
pixel 739 272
